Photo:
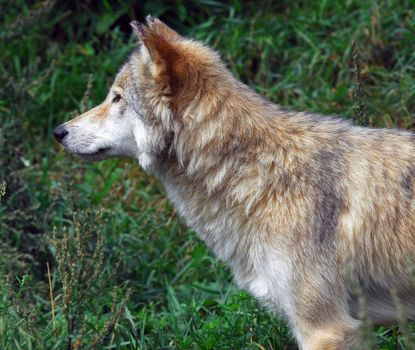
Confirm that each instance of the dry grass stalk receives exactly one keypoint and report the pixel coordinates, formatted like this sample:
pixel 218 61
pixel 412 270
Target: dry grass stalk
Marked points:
pixel 358 94
pixel 51 299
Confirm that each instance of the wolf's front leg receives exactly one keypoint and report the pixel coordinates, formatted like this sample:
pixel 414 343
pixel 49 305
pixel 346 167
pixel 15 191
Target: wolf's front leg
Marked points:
pixel 338 332
pixel 332 337
pixel 319 312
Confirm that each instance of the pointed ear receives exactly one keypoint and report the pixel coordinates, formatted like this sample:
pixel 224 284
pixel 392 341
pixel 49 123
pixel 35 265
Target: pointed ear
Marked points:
pixel 158 45
pixel 159 40
pixel 162 29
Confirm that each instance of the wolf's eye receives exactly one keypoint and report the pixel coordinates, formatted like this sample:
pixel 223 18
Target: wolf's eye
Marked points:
pixel 116 98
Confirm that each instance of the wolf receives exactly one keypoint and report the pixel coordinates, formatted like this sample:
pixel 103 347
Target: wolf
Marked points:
pixel 310 212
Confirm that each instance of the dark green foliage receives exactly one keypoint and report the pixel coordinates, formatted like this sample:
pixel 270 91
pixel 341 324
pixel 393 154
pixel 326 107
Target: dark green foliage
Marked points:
pixel 58 58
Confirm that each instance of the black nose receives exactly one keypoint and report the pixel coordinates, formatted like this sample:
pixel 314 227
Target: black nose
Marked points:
pixel 60 132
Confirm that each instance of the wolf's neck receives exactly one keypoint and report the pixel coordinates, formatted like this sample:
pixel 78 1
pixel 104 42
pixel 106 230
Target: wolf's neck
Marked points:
pixel 223 128
pixel 231 144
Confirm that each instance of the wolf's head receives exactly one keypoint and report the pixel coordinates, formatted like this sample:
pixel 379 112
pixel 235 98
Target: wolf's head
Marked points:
pixel 143 111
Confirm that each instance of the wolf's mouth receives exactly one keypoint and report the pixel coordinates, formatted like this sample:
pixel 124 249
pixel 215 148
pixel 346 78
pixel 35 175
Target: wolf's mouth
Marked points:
pixel 101 150
pixel 99 154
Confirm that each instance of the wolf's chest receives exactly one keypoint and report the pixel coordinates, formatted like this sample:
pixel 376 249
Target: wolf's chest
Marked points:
pixel 258 267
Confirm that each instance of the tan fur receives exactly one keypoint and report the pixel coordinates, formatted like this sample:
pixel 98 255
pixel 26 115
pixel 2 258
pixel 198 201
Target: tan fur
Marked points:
pixel 303 208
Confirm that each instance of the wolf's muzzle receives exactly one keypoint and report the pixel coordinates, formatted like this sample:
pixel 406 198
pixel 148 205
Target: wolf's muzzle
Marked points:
pixel 60 133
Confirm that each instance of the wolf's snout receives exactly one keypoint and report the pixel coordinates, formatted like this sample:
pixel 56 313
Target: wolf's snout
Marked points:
pixel 60 132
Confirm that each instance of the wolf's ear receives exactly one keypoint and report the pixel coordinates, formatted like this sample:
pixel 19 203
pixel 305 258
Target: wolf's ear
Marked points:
pixel 159 40
pixel 162 29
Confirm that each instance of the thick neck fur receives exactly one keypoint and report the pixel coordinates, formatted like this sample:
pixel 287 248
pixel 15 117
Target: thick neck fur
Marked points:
pixel 218 126
pixel 229 137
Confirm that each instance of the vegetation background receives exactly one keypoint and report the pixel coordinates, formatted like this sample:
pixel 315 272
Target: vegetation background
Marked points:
pixel 124 273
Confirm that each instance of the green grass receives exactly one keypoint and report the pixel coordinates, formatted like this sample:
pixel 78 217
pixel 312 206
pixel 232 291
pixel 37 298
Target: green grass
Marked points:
pixel 298 55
